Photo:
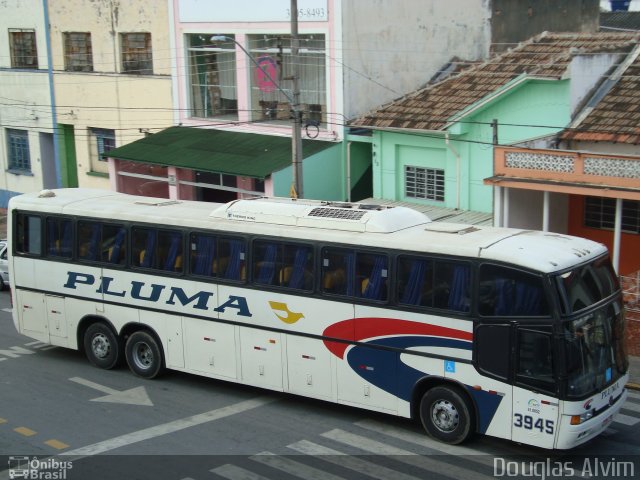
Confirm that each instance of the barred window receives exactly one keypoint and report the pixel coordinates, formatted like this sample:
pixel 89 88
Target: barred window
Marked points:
pixel 23 48
pixel 77 52
pixel 18 150
pixel 424 183
pixel 136 53
pixel 600 213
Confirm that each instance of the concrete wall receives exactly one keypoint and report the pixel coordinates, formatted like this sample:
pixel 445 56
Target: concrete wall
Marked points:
pixel 105 98
pixel 514 21
pixel 391 48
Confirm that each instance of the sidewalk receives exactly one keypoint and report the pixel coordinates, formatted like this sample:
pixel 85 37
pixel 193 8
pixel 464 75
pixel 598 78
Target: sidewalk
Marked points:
pixel 634 373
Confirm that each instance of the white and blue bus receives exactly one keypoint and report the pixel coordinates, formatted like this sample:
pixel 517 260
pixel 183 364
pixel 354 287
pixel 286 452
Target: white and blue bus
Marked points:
pixel 510 333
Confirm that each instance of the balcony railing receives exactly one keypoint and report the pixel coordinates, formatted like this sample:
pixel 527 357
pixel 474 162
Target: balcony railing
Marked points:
pixel 568 166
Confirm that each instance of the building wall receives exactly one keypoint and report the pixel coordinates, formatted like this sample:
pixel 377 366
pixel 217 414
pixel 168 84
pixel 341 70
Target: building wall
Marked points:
pixel 391 48
pixel 107 98
pixel 514 21
pixel 629 243
pixel 467 157
pixel 323 176
pixel 25 101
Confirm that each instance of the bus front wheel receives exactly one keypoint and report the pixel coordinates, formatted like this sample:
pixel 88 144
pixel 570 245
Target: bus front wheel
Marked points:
pixel 102 347
pixel 144 356
pixel 446 415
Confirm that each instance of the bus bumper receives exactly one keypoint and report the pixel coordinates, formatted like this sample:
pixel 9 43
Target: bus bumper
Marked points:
pixel 573 435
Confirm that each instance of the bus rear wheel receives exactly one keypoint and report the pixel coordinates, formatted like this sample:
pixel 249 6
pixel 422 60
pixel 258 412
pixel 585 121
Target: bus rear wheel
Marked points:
pixel 446 415
pixel 144 355
pixel 102 347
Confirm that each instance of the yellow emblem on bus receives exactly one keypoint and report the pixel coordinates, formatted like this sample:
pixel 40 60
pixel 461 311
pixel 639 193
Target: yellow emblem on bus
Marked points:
pixel 289 317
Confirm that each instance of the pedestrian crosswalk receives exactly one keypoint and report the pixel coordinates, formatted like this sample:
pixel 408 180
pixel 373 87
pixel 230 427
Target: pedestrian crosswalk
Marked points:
pixel 381 450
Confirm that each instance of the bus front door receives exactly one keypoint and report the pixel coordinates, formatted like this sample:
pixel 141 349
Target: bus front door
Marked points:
pixel 535 412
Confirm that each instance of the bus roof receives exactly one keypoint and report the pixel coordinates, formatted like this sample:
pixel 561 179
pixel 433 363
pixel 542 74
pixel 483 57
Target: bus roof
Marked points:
pixel 398 228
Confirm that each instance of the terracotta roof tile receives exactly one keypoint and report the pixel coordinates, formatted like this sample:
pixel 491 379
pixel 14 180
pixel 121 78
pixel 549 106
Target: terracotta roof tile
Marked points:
pixel 615 118
pixel 547 56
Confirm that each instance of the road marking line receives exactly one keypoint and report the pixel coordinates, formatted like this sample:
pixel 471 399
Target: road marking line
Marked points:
pixel 625 419
pixel 95 386
pixel 236 473
pixel 57 444
pixel 401 455
pixel 633 394
pixel 3 420
pixel 170 427
pixel 294 468
pixel 634 407
pixel 8 310
pixel 354 463
pixel 27 432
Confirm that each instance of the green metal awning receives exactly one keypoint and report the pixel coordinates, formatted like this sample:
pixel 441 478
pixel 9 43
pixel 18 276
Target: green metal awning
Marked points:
pixel 217 151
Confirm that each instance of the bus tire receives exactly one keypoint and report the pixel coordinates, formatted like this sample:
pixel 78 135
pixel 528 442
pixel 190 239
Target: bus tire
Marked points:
pixel 446 415
pixel 102 347
pixel 144 355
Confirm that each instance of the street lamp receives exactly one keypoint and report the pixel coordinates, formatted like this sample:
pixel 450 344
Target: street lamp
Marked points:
pixel 294 100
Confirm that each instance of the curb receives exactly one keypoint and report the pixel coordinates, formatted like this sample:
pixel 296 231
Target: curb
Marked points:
pixel 633 386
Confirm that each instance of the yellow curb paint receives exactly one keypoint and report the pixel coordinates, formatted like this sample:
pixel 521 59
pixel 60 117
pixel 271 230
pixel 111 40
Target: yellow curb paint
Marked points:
pixel 3 420
pixel 27 432
pixel 57 444
pixel 630 386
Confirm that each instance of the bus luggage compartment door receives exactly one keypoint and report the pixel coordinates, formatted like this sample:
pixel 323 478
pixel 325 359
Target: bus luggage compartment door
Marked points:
pixel 33 319
pixel 56 319
pixel 261 357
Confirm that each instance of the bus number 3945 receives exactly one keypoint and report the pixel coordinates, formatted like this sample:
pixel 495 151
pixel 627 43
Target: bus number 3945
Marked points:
pixel 528 423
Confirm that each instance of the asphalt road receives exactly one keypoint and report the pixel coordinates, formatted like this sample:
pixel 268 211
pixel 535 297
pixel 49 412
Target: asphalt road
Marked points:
pixel 61 416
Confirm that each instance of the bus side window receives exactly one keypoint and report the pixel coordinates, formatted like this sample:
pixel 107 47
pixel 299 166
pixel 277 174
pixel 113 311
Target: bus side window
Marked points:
pixel 59 237
pixel 267 257
pixel 338 271
pixel 297 267
pixel 506 292
pixel 203 255
pixel 169 251
pixel 89 240
pixel 415 281
pixel 452 286
pixel 114 244
pixel 372 272
pixel 143 245
pixel 29 234
pixel 232 259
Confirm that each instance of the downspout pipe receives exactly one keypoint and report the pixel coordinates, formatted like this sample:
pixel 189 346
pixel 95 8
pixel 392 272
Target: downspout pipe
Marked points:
pixel 457 155
pixel 52 94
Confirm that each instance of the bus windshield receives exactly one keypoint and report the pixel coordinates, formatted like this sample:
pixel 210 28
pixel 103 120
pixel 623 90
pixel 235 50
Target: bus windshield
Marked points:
pixel 586 285
pixel 594 348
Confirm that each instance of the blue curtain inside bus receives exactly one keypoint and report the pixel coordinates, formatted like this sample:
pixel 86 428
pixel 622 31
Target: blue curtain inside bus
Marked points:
pixel 415 283
pixel 150 250
pixel 205 254
pixel 117 246
pixel 299 264
pixel 171 263
pixel 373 289
pixel 459 295
pixel 267 267
pixel 92 251
pixel 235 262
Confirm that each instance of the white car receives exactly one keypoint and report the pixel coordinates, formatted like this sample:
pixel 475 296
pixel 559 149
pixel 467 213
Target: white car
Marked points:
pixel 4 265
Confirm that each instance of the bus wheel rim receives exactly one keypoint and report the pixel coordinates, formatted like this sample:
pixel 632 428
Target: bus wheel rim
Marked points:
pixel 100 346
pixel 444 416
pixel 143 356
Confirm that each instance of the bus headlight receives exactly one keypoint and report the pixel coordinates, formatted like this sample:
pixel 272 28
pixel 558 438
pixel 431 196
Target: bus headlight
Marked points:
pixel 578 419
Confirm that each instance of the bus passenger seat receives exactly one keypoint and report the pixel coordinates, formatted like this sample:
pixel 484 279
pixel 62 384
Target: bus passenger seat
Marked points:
pixel 333 280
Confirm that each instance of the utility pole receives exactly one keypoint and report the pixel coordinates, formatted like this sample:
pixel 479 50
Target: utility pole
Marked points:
pixel 296 133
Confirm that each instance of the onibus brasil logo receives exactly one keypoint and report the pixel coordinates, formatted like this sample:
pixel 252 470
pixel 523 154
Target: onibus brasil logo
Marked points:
pixel 33 468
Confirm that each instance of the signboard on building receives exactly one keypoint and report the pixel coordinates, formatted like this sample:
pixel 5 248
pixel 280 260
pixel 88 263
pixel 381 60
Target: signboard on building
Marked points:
pixel 219 11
